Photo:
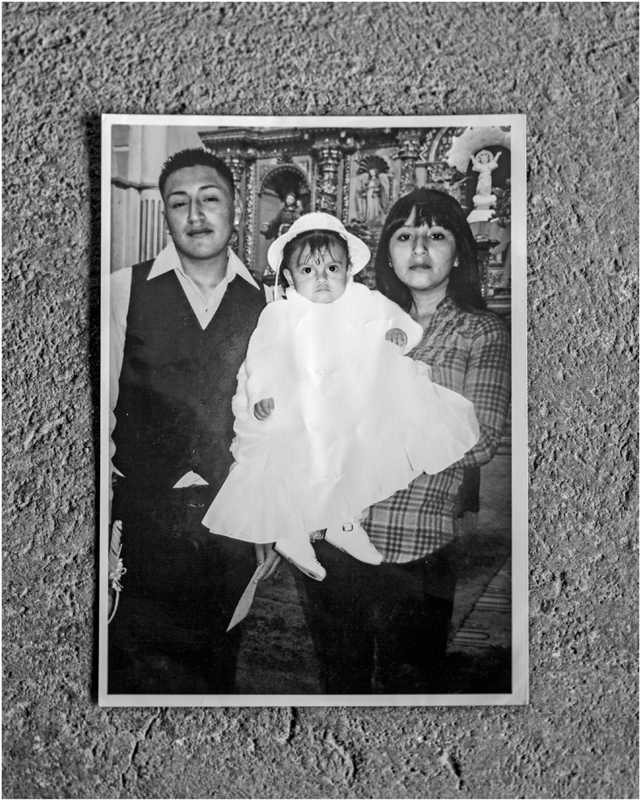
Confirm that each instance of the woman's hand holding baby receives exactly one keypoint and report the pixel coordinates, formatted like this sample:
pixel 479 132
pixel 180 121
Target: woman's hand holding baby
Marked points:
pixel 397 336
pixel 263 408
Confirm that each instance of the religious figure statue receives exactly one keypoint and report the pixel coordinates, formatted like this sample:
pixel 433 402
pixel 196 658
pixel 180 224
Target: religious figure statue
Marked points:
pixel 484 163
pixel 373 191
pixel 291 211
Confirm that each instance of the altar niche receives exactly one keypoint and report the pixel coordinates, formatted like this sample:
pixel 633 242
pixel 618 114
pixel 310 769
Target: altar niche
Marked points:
pixel 283 196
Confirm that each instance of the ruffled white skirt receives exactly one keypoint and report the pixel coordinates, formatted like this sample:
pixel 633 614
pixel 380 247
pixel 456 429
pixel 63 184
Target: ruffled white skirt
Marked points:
pixel 335 447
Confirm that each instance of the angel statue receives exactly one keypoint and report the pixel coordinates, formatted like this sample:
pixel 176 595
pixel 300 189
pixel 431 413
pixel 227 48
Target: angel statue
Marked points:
pixel 373 191
pixel 484 163
pixel 291 211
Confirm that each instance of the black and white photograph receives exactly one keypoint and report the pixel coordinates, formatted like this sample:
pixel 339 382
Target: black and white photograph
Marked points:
pixel 313 411
pixel 320 346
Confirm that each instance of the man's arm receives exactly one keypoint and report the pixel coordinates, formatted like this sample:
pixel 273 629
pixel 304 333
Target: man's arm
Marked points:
pixel 120 283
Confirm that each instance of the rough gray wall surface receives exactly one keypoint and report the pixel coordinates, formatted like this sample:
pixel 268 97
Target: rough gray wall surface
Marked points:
pixel 572 68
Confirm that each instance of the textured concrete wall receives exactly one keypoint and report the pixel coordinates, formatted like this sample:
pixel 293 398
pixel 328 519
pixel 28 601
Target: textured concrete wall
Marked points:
pixel 572 68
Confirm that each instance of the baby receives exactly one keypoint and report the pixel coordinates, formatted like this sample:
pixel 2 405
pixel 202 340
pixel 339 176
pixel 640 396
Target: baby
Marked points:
pixel 330 416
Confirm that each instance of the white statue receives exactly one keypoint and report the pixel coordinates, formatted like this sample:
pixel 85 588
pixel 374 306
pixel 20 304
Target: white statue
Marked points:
pixel 484 163
pixel 373 192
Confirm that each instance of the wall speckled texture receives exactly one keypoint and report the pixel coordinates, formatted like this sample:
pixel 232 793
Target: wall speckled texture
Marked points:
pixel 572 68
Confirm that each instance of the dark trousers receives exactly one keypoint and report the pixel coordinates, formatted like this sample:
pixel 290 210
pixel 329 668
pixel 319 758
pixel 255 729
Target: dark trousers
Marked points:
pixel 381 629
pixel 179 593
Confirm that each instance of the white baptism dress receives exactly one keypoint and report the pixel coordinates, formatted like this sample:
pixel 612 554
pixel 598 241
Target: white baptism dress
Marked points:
pixel 354 419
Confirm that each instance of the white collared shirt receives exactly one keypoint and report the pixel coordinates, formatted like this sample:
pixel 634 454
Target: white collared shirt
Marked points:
pixel 204 309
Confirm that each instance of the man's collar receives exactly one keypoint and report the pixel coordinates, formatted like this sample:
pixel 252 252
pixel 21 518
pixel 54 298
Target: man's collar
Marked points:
pixel 168 260
pixel 239 269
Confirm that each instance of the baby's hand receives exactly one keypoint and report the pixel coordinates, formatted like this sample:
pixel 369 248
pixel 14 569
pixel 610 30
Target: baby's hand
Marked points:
pixel 263 408
pixel 397 336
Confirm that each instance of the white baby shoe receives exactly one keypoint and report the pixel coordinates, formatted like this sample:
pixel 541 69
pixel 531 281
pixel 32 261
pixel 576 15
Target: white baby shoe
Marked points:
pixel 300 552
pixel 353 539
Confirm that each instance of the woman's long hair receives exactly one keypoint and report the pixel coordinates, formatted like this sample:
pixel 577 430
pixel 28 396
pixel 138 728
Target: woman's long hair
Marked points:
pixel 432 208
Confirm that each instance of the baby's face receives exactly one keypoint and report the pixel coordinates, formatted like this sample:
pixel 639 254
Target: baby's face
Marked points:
pixel 321 278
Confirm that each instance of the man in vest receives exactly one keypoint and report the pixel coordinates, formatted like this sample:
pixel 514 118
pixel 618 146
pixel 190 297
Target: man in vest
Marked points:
pixel 180 325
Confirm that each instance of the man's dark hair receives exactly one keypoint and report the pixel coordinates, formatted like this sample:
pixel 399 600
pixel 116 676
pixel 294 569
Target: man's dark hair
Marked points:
pixel 431 207
pixel 193 157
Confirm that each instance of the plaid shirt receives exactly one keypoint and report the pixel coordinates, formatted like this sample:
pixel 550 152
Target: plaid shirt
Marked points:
pixel 470 354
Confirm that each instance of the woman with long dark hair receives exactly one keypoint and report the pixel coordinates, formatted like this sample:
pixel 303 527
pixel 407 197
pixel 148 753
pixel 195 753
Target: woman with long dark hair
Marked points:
pixel 395 617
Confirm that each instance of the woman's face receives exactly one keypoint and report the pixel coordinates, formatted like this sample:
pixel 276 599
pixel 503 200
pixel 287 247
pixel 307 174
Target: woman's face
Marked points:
pixel 422 256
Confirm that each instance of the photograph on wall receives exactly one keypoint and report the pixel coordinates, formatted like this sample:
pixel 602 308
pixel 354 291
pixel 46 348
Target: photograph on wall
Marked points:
pixel 313 411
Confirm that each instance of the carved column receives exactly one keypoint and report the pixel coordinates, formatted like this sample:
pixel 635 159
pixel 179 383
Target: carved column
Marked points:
pixel 347 173
pixel 439 175
pixel 236 164
pixel 250 212
pixel 328 158
pixel 237 160
pixel 408 153
pixel 423 161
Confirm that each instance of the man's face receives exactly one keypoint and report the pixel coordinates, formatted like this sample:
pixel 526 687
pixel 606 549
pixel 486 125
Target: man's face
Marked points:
pixel 199 210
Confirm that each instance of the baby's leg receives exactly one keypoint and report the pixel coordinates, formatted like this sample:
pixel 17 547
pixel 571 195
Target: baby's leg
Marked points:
pixel 352 538
pixel 300 552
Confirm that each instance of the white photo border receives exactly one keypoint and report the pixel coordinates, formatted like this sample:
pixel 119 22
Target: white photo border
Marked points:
pixel 519 465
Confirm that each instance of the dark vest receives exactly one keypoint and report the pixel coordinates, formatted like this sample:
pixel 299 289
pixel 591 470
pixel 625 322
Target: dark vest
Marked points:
pixel 177 381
